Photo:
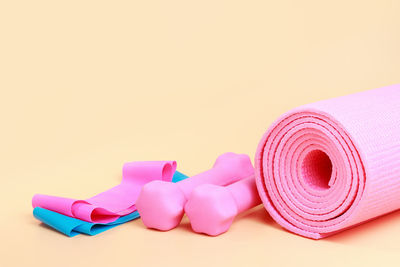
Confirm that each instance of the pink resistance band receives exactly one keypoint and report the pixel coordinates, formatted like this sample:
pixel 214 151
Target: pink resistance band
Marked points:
pixel 118 201
pixel 327 166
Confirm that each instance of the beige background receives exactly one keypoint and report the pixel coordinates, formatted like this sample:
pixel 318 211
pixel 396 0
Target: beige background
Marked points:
pixel 88 85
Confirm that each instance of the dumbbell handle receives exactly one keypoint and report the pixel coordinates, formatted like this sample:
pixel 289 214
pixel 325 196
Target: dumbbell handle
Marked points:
pixel 216 175
pixel 245 194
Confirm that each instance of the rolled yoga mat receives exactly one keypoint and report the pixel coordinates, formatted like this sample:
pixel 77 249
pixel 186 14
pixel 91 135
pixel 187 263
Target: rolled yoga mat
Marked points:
pixel 328 166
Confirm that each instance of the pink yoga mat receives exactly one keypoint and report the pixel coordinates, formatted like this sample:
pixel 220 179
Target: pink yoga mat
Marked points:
pixel 328 166
pixel 118 201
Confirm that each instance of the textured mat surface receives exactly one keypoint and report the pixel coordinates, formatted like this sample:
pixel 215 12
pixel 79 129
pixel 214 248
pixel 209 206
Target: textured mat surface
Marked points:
pixel 327 166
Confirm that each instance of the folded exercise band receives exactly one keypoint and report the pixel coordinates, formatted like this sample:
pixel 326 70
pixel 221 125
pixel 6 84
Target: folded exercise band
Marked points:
pixel 161 204
pixel 211 208
pixel 327 166
pixel 72 226
pixel 118 201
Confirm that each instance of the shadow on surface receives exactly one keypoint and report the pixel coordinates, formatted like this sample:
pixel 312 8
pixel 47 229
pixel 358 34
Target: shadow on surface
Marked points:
pixel 258 215
pixel 45 226
pixel 362 230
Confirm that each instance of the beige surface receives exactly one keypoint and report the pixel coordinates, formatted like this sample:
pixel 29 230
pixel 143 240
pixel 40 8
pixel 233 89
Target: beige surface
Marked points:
pixel 86 86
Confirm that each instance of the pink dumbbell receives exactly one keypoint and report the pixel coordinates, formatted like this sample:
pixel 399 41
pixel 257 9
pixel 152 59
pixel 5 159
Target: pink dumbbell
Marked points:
pixel 211 209
pixel 161 204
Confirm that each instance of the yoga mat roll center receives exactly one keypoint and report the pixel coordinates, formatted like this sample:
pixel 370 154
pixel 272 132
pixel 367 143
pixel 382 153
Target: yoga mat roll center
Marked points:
pixel 327 166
